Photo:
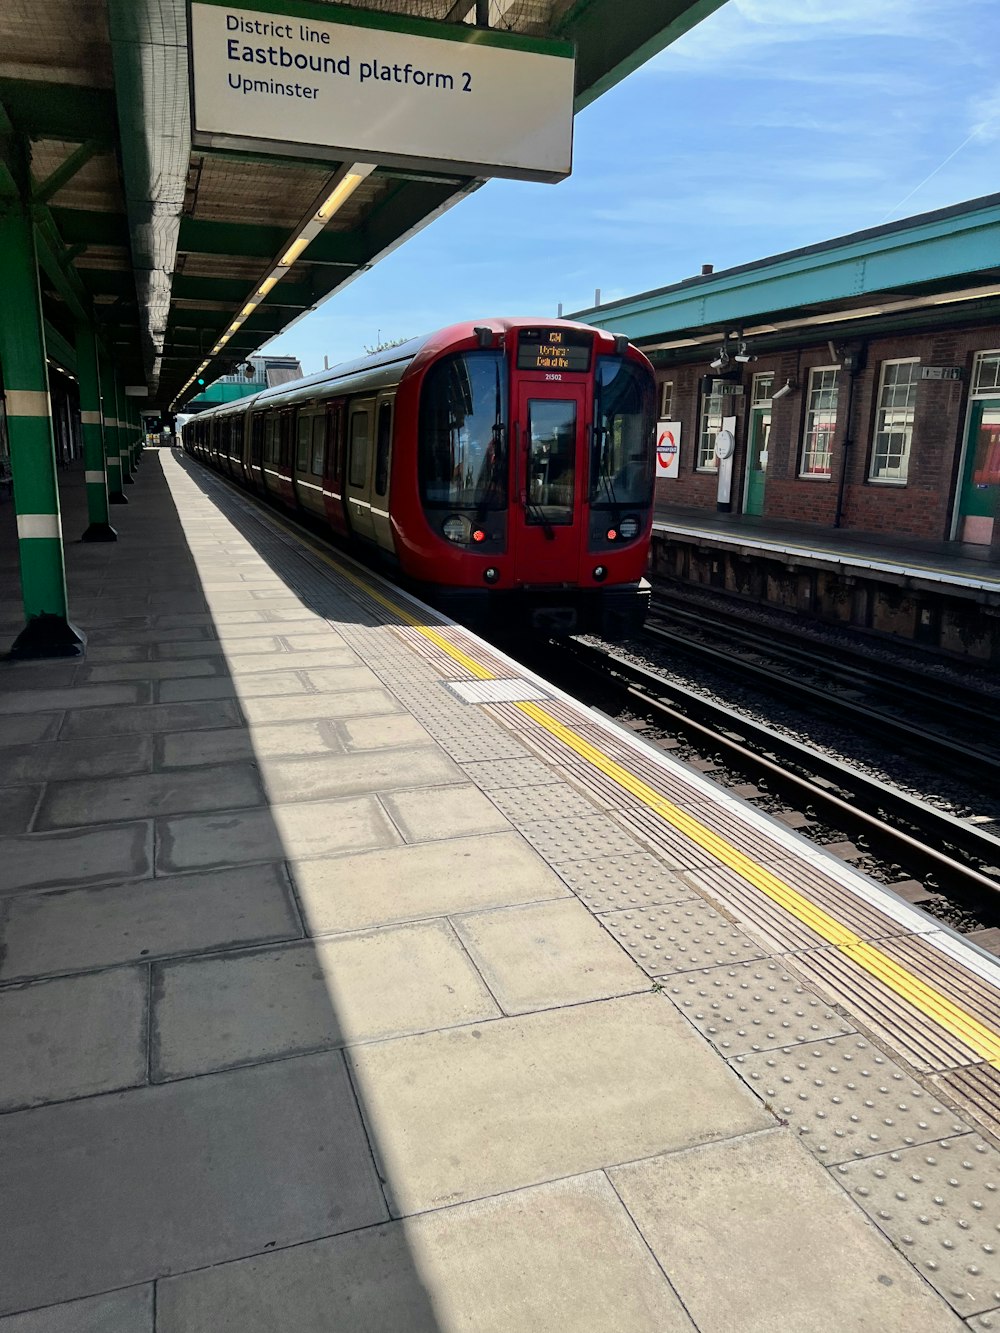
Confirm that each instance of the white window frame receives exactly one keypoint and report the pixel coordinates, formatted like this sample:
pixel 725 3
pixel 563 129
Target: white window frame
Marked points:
pixel 666 400
pixel 809 428
pixel 757 399
pixel 990 391
pixel 880 409
pixel 711 408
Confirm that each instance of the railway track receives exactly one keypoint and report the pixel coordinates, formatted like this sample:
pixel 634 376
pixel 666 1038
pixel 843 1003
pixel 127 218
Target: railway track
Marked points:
pixel 950 715
pixel 947 865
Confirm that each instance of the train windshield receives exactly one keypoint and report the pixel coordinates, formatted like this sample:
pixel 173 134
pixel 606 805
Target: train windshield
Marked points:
pixel 621 458
pixel 463 433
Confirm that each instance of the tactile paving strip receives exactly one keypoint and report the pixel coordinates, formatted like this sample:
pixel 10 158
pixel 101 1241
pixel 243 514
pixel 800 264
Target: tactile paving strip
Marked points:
pixel 502 774
pixel 577 839
pixel 680 937
pixel 911 1033
pixel 846 1098
pixel 753 1007
pixel 976 1089
pixel 521 804
pixel 940 1205
pixel 611 883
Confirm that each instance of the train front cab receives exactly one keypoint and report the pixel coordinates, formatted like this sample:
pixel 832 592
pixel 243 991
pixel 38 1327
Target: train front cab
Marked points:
pixel 552 509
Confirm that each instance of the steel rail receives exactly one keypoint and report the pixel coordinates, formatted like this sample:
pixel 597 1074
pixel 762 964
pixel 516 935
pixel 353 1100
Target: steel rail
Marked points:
pixel 930 744
pixel 695 713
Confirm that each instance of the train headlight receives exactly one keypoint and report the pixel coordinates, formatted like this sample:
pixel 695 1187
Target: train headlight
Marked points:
pixel 628 527
pixel 491 575
pixel 457 529
pixel 600 573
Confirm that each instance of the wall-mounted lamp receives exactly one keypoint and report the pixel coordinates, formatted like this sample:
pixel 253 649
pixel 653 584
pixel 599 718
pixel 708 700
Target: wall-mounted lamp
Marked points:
pixel 788 387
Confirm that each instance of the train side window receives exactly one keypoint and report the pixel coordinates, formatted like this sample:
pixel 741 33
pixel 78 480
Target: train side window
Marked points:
pixel 383 440
pixel 302 448
pixel 358 457
pixel 269 424
pixel 318 445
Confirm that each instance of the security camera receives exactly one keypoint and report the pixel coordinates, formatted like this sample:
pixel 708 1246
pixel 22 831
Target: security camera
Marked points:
pixel 788 387
pixel 721 361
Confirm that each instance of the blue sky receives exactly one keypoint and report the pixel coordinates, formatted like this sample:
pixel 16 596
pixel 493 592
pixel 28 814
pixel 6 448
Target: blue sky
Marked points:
pixel 773 124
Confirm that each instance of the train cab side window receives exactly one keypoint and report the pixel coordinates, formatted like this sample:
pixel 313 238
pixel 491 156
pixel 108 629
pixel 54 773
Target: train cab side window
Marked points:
pixel 302 446
pixel 318 445
pixel 358 457
pixel 621 462
pixel 384 438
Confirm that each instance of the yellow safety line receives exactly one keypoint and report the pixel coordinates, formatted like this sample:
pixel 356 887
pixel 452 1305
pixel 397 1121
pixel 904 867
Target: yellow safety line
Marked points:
pixel 961 1024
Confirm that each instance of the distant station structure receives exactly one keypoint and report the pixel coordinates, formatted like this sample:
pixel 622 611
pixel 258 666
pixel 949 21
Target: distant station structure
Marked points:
pixel 857 380
pixel 181 181
pixel 254 375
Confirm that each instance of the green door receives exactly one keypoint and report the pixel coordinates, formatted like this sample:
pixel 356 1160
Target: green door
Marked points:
pixel 760 431
pixel 978 504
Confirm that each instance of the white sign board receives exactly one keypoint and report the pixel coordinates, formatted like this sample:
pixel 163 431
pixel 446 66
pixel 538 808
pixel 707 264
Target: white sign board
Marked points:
pixel 668 448
pixel 357 87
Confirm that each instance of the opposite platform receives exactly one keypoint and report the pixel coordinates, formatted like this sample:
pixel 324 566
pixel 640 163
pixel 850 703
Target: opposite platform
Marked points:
pixel 354 978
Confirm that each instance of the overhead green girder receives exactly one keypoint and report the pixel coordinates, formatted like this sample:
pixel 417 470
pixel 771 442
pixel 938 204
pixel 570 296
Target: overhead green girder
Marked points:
pixel 81 226
pixel 60 111
pixel 257 242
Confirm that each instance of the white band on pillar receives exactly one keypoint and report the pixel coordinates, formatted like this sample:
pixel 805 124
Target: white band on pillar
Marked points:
pixel 38 525
pixel 90 418
pixel 113 461
pixel 28 403
pixel 96 477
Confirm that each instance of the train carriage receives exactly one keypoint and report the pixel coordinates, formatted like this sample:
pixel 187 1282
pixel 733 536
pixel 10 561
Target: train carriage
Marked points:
pixel 504 469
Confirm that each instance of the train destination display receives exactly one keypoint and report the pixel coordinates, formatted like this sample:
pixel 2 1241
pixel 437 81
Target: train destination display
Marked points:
pixel 553 349
pixel 383 89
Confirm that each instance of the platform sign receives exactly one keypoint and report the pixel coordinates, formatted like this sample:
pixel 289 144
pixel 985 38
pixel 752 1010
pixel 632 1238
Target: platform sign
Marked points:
pixel 355 84
pixel 668 448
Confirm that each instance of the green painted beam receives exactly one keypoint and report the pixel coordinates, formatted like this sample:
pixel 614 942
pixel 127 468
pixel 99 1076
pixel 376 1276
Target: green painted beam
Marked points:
pixel 60 111
pixel 79 226
pixel 60 348
pixel 266 243
pixel 65 172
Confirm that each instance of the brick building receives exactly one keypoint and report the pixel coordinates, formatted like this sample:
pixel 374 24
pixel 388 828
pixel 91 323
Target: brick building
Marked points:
pixel 859 380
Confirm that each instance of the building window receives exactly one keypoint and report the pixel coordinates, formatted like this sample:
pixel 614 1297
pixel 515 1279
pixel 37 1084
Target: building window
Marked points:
pixel 897 400
pixel 986 372
pixel 711 424
pixel 763 387
pixel 667 400
pixel 820 422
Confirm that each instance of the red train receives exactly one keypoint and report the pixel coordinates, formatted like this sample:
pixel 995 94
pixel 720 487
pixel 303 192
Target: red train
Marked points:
pixel 504 470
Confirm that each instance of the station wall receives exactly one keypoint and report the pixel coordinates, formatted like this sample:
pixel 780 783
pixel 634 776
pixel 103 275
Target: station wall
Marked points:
pixel 929 418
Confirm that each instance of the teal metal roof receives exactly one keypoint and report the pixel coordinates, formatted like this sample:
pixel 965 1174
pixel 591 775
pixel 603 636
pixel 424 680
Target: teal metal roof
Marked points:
pixel 950 250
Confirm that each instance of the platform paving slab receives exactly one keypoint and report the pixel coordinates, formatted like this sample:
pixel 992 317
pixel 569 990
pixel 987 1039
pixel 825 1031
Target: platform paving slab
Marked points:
pixel 150 670
pixel 427 814
pixel 547 954
pixel 347 893
pixel 17 807
pixel 14 700
pixel 94 800
pixel 152 718
pixel 234 1009
pixel 93 856
pixel 72 1037
pixel 117 1190
pixel 239 837
pixel 563 1257
pixel 390 732
pixel 479 1110
pixel 28 729
pixel 100 757
pixel 755 1236
pixel 82 929
pixel 127 1311
pixel 192 749
pixel 308 779
pixel 342 704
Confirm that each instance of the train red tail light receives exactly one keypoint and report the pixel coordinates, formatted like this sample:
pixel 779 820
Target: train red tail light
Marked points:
pixel 612 534
pixel 478 535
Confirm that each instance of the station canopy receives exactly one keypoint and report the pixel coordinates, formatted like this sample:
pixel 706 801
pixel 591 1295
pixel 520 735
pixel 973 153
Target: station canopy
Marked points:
pixel 166 244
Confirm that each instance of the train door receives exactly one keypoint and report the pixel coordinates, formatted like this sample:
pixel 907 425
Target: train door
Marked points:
pixel 310 453
pixel 333 481
pixel 381 526
pixel 548 529
pixel 255 465
pixel 360 434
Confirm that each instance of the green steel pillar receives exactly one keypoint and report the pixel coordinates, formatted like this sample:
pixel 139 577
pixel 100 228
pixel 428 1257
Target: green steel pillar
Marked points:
pixel 100 529
pixel 48 632
pixel 122 433
pixel 112 457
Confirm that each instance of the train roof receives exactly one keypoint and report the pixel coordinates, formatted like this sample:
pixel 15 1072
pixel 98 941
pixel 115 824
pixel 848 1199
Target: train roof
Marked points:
pixel 391 361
